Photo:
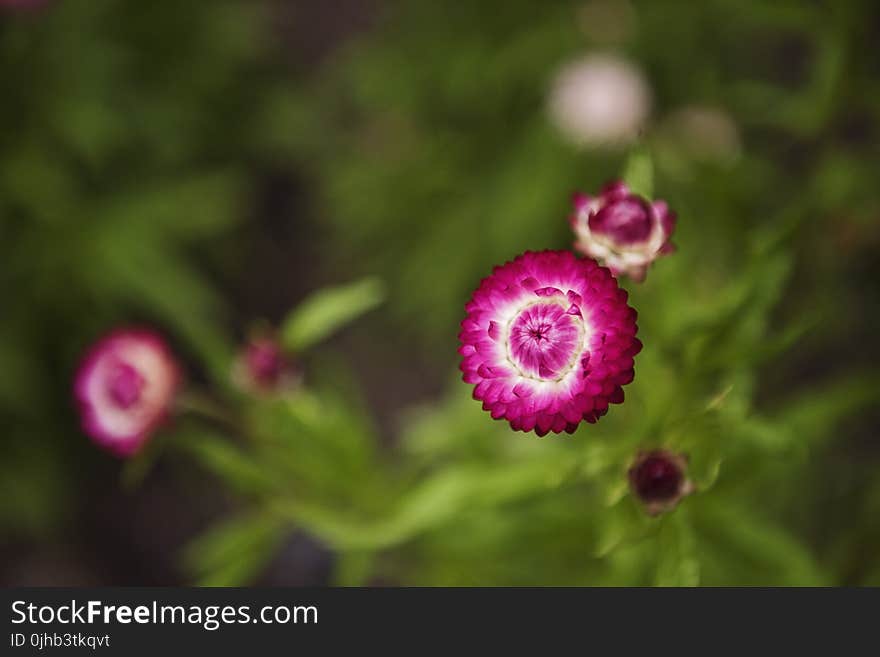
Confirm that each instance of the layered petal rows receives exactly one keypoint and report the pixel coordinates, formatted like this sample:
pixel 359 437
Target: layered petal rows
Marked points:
pixel 622 230
pixel 548 341
pixel 124 388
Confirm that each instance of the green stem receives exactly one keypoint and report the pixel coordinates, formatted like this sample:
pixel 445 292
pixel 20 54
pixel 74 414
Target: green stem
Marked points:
pixel 201 405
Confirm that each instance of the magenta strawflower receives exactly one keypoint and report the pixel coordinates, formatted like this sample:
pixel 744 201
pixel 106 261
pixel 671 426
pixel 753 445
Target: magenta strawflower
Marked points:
pixel 548 341
pixel 124 388
pixel 622 230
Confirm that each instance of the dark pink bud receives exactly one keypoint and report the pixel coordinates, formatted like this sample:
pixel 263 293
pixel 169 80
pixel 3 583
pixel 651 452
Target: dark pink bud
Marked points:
pixel 659 480
pixel 614 191
pixel 625 221
pixel 263 366
pixel 622 230
pixel 264 361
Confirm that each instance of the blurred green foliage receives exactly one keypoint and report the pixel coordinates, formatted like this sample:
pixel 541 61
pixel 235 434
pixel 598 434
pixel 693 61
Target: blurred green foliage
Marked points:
pixel 116 161
pixel 325 310
pixel 128 147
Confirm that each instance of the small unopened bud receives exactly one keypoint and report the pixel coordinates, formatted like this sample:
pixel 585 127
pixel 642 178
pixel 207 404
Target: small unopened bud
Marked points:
pixel 622 230
pixel 262 366
pixel 659 480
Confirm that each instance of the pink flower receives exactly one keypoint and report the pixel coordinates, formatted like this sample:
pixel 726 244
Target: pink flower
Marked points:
pixel 658 479
pixel 262 366
pixel 548 341
pixel 623 231
pixel 124 388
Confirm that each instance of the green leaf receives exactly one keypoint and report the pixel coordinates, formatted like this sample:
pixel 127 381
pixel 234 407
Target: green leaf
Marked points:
pixel 232 553
pixel 638 173
pixel 810 417
pixel 136 469
pixel 353 568
pixel 750 549
pixel 813 415
pixel 198 206
pixel 429 504
pixel 328 310
pixel 677 563
pixel 229 462
pixel 612 529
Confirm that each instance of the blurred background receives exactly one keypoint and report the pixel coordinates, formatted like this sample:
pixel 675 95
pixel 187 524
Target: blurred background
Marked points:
pixel 203 167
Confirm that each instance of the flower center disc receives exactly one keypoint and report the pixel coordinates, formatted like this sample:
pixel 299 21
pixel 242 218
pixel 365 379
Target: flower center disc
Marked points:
pixel 545 341
pixel 125 385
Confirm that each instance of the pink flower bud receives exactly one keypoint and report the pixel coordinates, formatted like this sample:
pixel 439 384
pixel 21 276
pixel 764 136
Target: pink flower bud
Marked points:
pixel 623 231
pixel 263 367
pixel 124 388
pixel 658 479
pixel 548 341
